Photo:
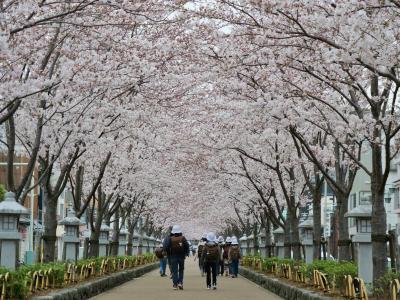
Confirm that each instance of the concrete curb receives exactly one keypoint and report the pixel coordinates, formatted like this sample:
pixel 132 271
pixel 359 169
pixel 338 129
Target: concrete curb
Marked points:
pixel 282 289
pixel 98 286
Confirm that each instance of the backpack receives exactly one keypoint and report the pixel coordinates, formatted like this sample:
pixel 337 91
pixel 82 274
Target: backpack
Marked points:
pixel 200 250
pixel 226 251
pixel 159 252
pixel 212 253
pixel 177 245
pixel 234 252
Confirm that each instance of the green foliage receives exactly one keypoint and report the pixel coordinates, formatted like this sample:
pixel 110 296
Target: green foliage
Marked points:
pixel 2 192
pixel 383 283
pixel 334 271
pixel 20 279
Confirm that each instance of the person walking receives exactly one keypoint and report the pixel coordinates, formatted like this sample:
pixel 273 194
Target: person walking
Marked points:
pixel 227 264
pixel 234 256
pixel 221 244
pixel 199 253
pixel 162 256
pixel 177 249
pixel 211 259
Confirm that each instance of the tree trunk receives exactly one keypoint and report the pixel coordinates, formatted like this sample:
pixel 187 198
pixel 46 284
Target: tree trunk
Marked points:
pixel 287 241
pixel 115 237
pixel 295 237
pixel 94 242
pixel 50 227
pixel 344 241
pixel 268 238
pixel 378 220
pixel 317 224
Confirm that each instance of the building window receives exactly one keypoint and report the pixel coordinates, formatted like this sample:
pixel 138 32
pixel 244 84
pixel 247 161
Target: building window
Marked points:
pixel 365 198
pixel 9 223
pixel 363 226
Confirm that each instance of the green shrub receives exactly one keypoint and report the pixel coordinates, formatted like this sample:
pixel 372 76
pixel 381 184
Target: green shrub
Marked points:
pixel 2 192
pixel 334 271
pixel 20 280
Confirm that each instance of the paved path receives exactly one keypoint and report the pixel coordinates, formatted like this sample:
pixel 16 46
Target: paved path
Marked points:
pixel 153 287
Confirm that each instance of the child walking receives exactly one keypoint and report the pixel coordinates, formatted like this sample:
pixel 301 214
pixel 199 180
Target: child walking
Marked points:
pixel 211 259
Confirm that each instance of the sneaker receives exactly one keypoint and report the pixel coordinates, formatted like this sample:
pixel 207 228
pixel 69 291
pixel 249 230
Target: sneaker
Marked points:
pixel 180 286
pixel 214 287
pixel 208 287
pixel 175 287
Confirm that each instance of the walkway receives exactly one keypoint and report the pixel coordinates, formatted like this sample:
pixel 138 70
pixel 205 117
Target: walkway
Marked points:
pixel 153 287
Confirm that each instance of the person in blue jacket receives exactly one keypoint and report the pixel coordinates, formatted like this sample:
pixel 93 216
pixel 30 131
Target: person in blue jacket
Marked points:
pixel 177 249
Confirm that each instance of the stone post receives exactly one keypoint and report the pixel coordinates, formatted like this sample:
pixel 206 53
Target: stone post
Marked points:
pixel 250 245
pixel 306 236
pixel 279 238
pixel 10 212
pixel 70 239
pixel 362 238
pixel 135 243
pixel 103 240
pixel 122 242
pixel 263 244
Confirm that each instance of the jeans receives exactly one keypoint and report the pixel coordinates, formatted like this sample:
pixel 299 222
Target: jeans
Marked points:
pixel 211 267
pixel 177 267
pixel 235 267
pixel 163 265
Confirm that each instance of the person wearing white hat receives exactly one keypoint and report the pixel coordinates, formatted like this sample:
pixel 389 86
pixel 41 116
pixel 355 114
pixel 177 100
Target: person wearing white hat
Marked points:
pixel 234 257
pixel 227 263
pixel 221 244
pixel 177 248
pixel 211 258
pixel 199 253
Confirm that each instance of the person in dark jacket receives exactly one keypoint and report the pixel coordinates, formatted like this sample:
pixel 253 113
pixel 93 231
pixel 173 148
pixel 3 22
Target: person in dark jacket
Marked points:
pixel 210 257
pixel 177 249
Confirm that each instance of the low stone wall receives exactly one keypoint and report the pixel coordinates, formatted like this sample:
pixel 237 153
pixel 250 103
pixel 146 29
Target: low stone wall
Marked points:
pixel 98 286
pixel 282 289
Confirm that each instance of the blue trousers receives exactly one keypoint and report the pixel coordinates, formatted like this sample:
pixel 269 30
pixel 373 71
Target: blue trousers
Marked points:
pixel 177 267
pixel 235 266
pixel 163 265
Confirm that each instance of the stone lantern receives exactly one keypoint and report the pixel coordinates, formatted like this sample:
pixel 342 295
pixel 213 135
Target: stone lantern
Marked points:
pixel 279 238
pixel 103 240
pixel 145 244
pixel 152 244
pixel 122 242
pixel 306 236
pixel 250 245
pixel 362 215
pixel 135 243
pixel 263 244
pixel 71 236
pixel 243 244
pixel 10 212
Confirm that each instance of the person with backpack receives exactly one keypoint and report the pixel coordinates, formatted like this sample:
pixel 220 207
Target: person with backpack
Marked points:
pixel 234 257
pixel 221 244
pixel 177 249
pixel 162 256
pixel 211 260
pixel 227 264
pixel 199 253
